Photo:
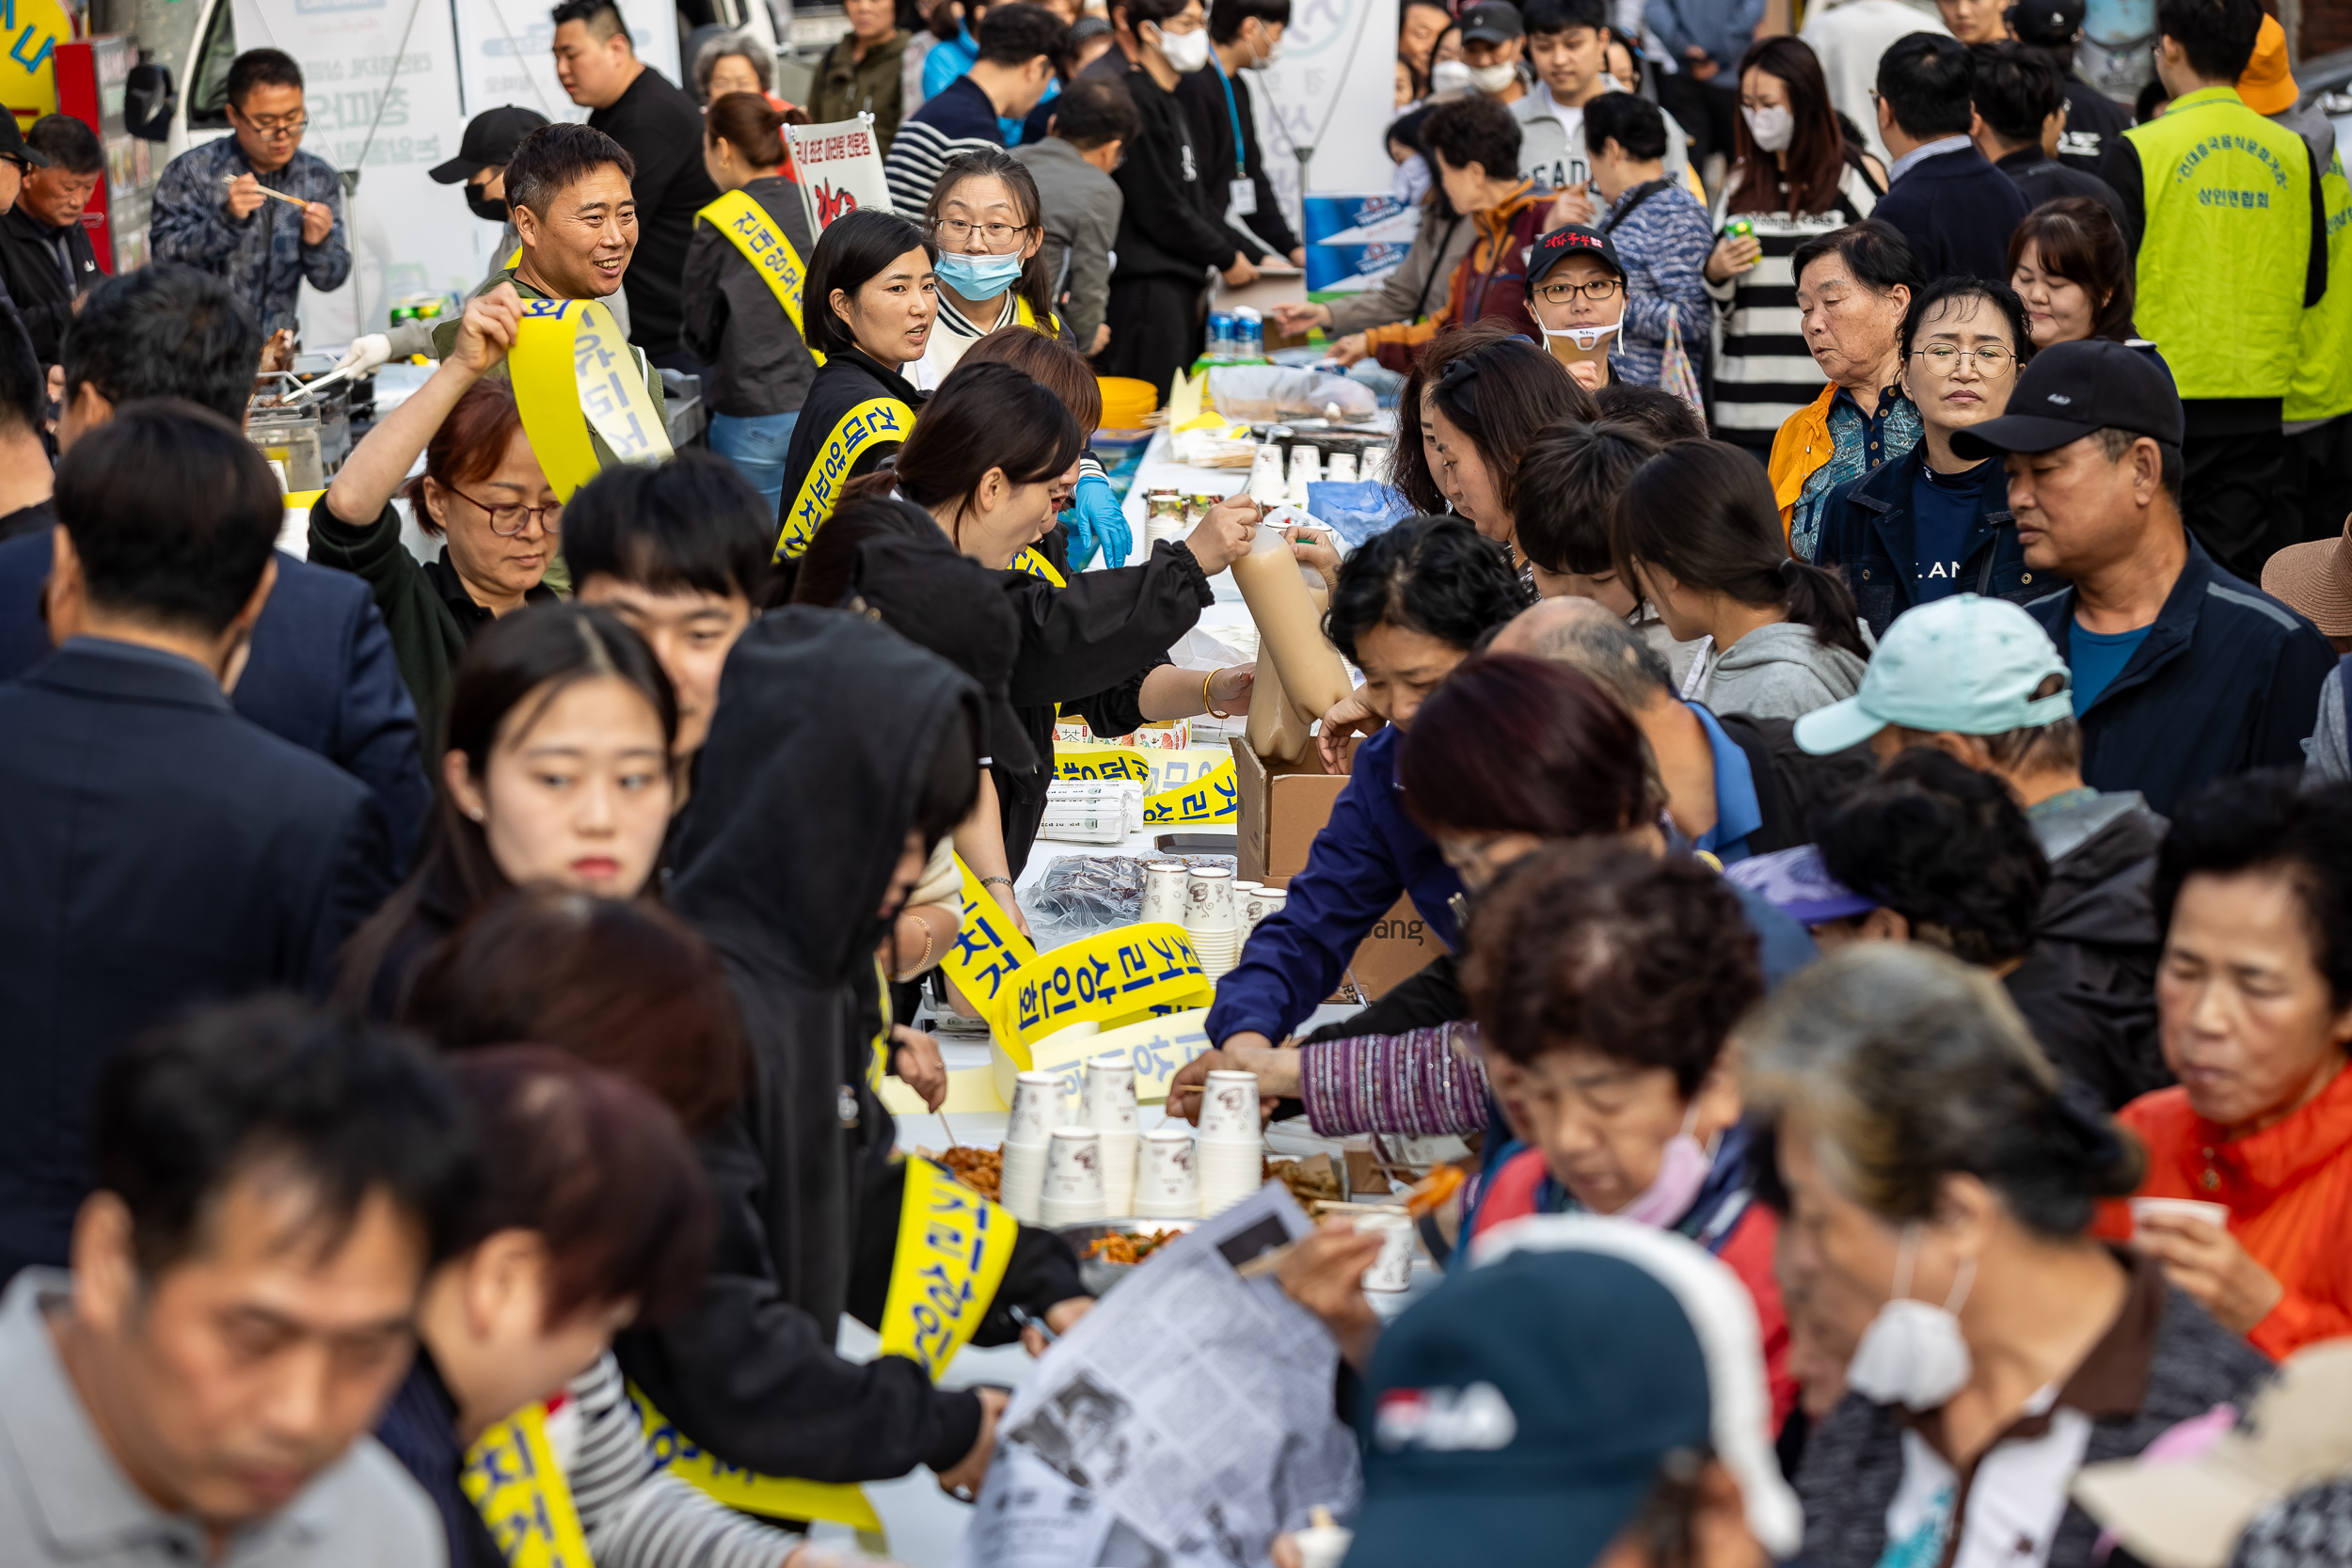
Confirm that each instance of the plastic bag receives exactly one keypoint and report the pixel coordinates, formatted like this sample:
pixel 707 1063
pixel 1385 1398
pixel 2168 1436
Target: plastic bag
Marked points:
pixel 1263 394
pixel 1357 512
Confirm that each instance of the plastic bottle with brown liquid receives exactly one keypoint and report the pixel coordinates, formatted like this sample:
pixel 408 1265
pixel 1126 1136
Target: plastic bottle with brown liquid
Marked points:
pixel 1308 672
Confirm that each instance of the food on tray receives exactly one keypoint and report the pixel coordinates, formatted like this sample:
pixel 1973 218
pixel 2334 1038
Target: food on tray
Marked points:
pixel 1118 1248
pixel 1309 1180
pixel 980 1170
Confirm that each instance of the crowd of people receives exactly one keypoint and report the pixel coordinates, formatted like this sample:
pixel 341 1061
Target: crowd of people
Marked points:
pixel 1854 692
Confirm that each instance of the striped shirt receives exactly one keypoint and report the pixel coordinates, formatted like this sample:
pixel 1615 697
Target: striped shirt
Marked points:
pixel 1763 370
pixel 959 119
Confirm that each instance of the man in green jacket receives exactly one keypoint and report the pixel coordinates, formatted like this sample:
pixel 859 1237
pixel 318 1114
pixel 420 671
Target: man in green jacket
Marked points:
pixel 2233 251
pixel 861 73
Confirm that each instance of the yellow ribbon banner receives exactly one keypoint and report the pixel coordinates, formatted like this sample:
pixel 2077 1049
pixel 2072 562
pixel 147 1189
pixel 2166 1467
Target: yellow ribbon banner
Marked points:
pixel 870 423
pixel 987 951
pixel 953 1249
pixel 519 1490
pixel 1156 1046
pixel 571 360
pixel 1211 798
pixel 745 224
pixel 1032 560
pixel 1104 764
pixel 770 1497
pixel 1125 974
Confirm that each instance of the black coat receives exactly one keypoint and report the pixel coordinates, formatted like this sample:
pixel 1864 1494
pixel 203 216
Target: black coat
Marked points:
pixel 1203 94
pixel 1111 626
pixel 848 378
pixel 2051 179
pixel 806 791
pixel 1867 533
pixel 733 323
pixel 156 849
pixel 1957 210
pixel 1173 223
pixel 662 131
pixel 28 264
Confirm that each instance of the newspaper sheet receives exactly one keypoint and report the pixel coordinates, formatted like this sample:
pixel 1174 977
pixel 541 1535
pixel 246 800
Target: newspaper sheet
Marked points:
pixel 1191 1406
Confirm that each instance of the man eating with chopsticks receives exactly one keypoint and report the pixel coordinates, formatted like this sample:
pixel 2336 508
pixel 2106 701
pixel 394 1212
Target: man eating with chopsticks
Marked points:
pixel 253 208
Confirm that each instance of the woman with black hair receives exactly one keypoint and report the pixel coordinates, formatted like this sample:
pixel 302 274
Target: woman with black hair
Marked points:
pixel 1416 464
pixel 868 306
pixel 554 768
pixel 1483 411
pixel 1930 523
pixel 1697 535
pixel 989 224
pixel 1410 605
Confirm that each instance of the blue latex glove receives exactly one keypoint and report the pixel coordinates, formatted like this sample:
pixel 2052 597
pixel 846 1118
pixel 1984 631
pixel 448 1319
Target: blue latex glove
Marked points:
pixel 1107 523
pixel 1079 539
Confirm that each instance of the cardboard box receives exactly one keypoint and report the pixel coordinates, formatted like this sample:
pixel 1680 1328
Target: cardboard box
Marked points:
pixel 1282 806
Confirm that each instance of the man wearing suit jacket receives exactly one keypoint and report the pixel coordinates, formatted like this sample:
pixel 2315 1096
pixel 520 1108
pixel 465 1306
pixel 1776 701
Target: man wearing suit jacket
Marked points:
pixel 1955 208
pixel 155 848
pixel 321 673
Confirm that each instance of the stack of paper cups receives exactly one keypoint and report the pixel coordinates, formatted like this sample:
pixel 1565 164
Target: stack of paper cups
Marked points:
pixel 1228 1157
pixel 1166 1186
pixel 1028 1133
pixel 1251 897
pixel 1210 918
pixel 1074 1178
pixel 1163 884
pixel 1109 1108
pixel 1265 475
pixel 1305 468
pixel 1342 468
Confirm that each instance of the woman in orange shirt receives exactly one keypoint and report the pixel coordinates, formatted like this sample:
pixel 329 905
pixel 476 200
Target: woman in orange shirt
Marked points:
pixel 2255 989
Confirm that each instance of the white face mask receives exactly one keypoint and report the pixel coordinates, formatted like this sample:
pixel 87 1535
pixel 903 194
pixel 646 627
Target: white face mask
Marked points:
pixel 1449 77
pixel 1774 128
pixel 1913 1353
pixel 1186 53
pixel 1586 338
pixel 1274 53
pixel 1492 79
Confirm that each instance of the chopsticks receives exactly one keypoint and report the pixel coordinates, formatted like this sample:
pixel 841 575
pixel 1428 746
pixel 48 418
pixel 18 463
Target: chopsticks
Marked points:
pixel 1429 1193
pixel 274 196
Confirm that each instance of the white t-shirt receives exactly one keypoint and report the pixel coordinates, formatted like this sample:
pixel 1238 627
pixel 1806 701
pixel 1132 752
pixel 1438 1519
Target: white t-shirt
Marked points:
pixel 2015 1501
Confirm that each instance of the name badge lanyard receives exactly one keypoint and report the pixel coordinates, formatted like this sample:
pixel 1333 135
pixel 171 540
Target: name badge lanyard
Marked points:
pixel 1245 194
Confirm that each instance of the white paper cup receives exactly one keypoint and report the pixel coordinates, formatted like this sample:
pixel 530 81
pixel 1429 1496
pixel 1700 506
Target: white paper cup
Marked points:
pixel 1209 899
pixel 1037 1110
pixel 1229 1109
pixel 1168 1183
pixel 2215 1214
pixel 1164 883
pixel 1074 1178
pixel 1108 1103
pixel 1393 1269
pixel 1021 1186
pixel 1119 1157
pixel 1323 1545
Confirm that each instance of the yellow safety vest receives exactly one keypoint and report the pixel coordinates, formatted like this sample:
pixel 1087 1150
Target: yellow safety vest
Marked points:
pixel 745 224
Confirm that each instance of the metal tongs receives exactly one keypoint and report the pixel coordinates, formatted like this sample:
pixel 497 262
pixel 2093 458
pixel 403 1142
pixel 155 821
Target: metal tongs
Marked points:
pixel 312 387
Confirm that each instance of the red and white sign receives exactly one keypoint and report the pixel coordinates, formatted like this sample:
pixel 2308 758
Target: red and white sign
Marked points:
pixel 840 166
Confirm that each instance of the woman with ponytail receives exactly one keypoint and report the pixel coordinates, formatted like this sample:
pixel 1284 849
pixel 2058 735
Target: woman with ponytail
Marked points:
pixel 760 368
pixel 1940 1178
pixel 1697 535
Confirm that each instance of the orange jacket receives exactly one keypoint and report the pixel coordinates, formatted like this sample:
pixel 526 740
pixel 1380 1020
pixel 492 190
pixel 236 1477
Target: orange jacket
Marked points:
pixel 2289 1192
pixel 1498 255
pixel 1803 445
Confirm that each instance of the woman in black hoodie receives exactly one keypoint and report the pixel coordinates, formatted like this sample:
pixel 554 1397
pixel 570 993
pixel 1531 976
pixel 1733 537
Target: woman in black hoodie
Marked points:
pixel 840 752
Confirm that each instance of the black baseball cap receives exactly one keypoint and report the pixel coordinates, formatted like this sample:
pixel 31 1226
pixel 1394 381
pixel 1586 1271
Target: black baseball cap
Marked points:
pixel 491 138
pixel 1493 22
pixel 13 142
pixel 2050 23
pixel 2070 390
pixel 1551 249
pixel 1521 1412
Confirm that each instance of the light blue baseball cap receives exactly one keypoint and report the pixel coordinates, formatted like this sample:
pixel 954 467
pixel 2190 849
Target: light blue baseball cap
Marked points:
pixel 1964 664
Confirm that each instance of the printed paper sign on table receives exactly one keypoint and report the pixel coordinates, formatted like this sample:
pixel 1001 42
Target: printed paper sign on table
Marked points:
pixel 840 168
pixel 1158 1046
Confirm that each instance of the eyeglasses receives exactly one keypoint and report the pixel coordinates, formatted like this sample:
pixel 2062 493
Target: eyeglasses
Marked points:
pixel 1943 358
pixel 275 126
pixel 955 232
pixel 1560 293
pixel 508 521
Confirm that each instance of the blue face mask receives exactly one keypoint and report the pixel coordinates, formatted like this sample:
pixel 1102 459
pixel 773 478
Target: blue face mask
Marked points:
pixel 979 276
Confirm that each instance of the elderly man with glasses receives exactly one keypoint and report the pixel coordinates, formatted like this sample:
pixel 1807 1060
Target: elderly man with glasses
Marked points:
pixel 253 207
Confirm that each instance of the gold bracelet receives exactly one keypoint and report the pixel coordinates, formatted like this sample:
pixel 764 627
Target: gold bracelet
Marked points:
pixel 1207 707
pixel 925 962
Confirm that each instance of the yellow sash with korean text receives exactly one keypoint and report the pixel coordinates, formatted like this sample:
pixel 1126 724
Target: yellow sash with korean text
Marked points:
pixel 953 1248
pixel 516 1486
pixel 1211 798
pixel 745 224
pixel 770 1496
pixel 870 423
pixel 572 368
pixel 1114 977
pixel 1033 561
pixel 987 950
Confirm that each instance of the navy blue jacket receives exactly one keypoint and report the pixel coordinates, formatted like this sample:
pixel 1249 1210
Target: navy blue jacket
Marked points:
pixel 2227 682
pixel 1868 532
pixel 156 849
pixel 1957 210
pixel 322 674
pixel 1367 853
